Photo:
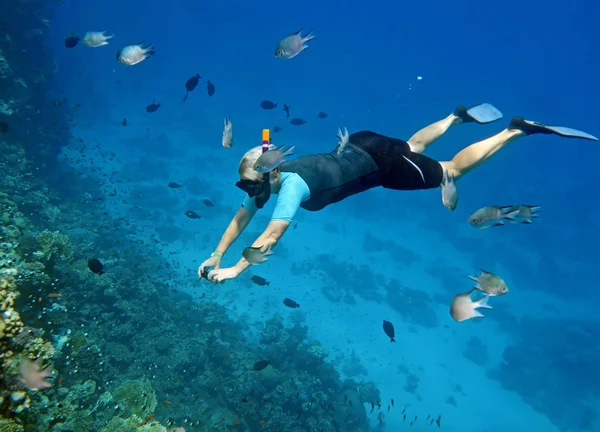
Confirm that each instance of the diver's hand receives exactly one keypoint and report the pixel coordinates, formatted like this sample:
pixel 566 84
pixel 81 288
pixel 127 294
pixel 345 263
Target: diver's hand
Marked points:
pixel 221 275
pixel 213 262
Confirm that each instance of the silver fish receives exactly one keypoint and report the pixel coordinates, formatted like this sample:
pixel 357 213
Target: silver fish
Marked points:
pixel 344 137
pixel 526 213
pixel 134 54
pixel 464 308
pixel 96 39
pixel 492 216
pixel 272 158
pixel 490 283
pixel 449 192
pixel 256 255
pixel 292 45
pixel 227 133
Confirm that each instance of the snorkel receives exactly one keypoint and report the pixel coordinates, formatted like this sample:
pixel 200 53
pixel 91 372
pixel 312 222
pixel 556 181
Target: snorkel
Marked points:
pixel 265 190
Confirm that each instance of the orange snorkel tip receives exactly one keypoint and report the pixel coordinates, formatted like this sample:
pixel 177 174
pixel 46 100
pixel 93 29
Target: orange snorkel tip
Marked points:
pixel 266 139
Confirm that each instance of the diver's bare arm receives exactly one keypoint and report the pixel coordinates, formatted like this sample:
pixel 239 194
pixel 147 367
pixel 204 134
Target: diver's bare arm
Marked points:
pixel 267 239
pixel 236 227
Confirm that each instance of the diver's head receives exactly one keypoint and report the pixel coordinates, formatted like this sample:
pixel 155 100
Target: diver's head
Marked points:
pixel 254 183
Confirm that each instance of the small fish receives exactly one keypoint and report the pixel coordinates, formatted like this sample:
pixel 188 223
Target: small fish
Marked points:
pixel 210 88
pixel 153 107
pixel 146 420
pixel 174 185
pixel 344 137
pixel 260 281
pixel 449 192
pixel 292 45
pixel 464 308
pixel 244 400
pixel 286 108
pixel 255 255
pixel 191 84
pixel 124 122
pixel 438 421
pixel 96 39
pixel 276 129
pixel 192 214
pixel 297 121
pixel 134 54
pixel 167 403
pixel 492 216
pixel 392 403
pixel 55 295
pixel 260 365
pixel 388 328
pixel 227 139
pixel 4 128
pixel 272 158
pixel 207 203
pixel 490 283
pixel 290 303
pixel 526 213
pixel 268 105
pixel 389 408
pixel 71 41
pixel 322 115
pixel 96 266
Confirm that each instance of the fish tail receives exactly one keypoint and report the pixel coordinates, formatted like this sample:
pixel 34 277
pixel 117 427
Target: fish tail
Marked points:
pixel 185 97
pixel 483 302
pixel 268 283
pixel 309 36
pixel 393 340
pixel 288 151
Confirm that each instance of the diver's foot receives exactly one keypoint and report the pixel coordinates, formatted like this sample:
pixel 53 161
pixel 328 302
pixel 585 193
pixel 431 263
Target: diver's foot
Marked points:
pixel 532 127
pixel 482 113
pixel 529 127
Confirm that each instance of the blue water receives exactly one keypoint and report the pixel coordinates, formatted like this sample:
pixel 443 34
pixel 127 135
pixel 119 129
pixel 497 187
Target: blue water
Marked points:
pixel 531 59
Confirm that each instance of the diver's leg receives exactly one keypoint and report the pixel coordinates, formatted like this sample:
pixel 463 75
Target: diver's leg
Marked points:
pixel 429 134
pixel 471 157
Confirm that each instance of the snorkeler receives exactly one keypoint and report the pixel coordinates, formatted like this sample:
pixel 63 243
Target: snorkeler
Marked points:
pixel 369 160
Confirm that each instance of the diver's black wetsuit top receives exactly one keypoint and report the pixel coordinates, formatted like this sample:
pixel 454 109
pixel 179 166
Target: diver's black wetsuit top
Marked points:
pixel 369 160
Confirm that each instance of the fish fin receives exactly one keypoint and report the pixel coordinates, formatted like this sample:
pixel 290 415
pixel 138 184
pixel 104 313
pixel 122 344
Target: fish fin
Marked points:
pixel 477 314
pixel 483 302
pixel 534 208
pixel 108 37
pixel 288 152
pixel 527 222
pixel 478 287
pixel 309 36
pixel 299 32
pixel 474 278
pixel 185 97
pixel 498 224
pixel 510 215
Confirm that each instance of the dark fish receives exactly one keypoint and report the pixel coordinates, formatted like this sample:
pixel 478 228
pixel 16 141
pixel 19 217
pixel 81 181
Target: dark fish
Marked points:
pixel 268 105
pixel 392 403
pixel 290 303
pixel 192 214
pixel 190 85
pixel 4 128
pixel 286 108
pixel 71 41
pixel 297 121
pixel 295 225
pixel 210 88
pixel 388 328
pixel 322 115
pixel 96 266
pixel 260 365
pixel 438 420
pixel 260 281
pixel 208 203
pixel 124 122
pixel 153 107
pixel 276 129
pixel 174 185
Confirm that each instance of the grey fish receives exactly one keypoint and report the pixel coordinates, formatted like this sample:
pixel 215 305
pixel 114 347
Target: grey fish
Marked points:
pixel 297 121
pixel 526 213
pixel 255 255
pixel 449 192
pixel 227 139
pixel 490 283
pixel 464 308
pixel 290 303
pixel 271 159
pixel 260 365
pixel 292 45
pixel 492 216
pixel 268 105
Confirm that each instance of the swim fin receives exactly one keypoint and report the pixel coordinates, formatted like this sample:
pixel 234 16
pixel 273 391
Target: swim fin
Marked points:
pixel 532 127
pixel 482 113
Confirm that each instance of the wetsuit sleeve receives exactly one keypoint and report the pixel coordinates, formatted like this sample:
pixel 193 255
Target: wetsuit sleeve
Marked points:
pixel 293 191
pixel 250 205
